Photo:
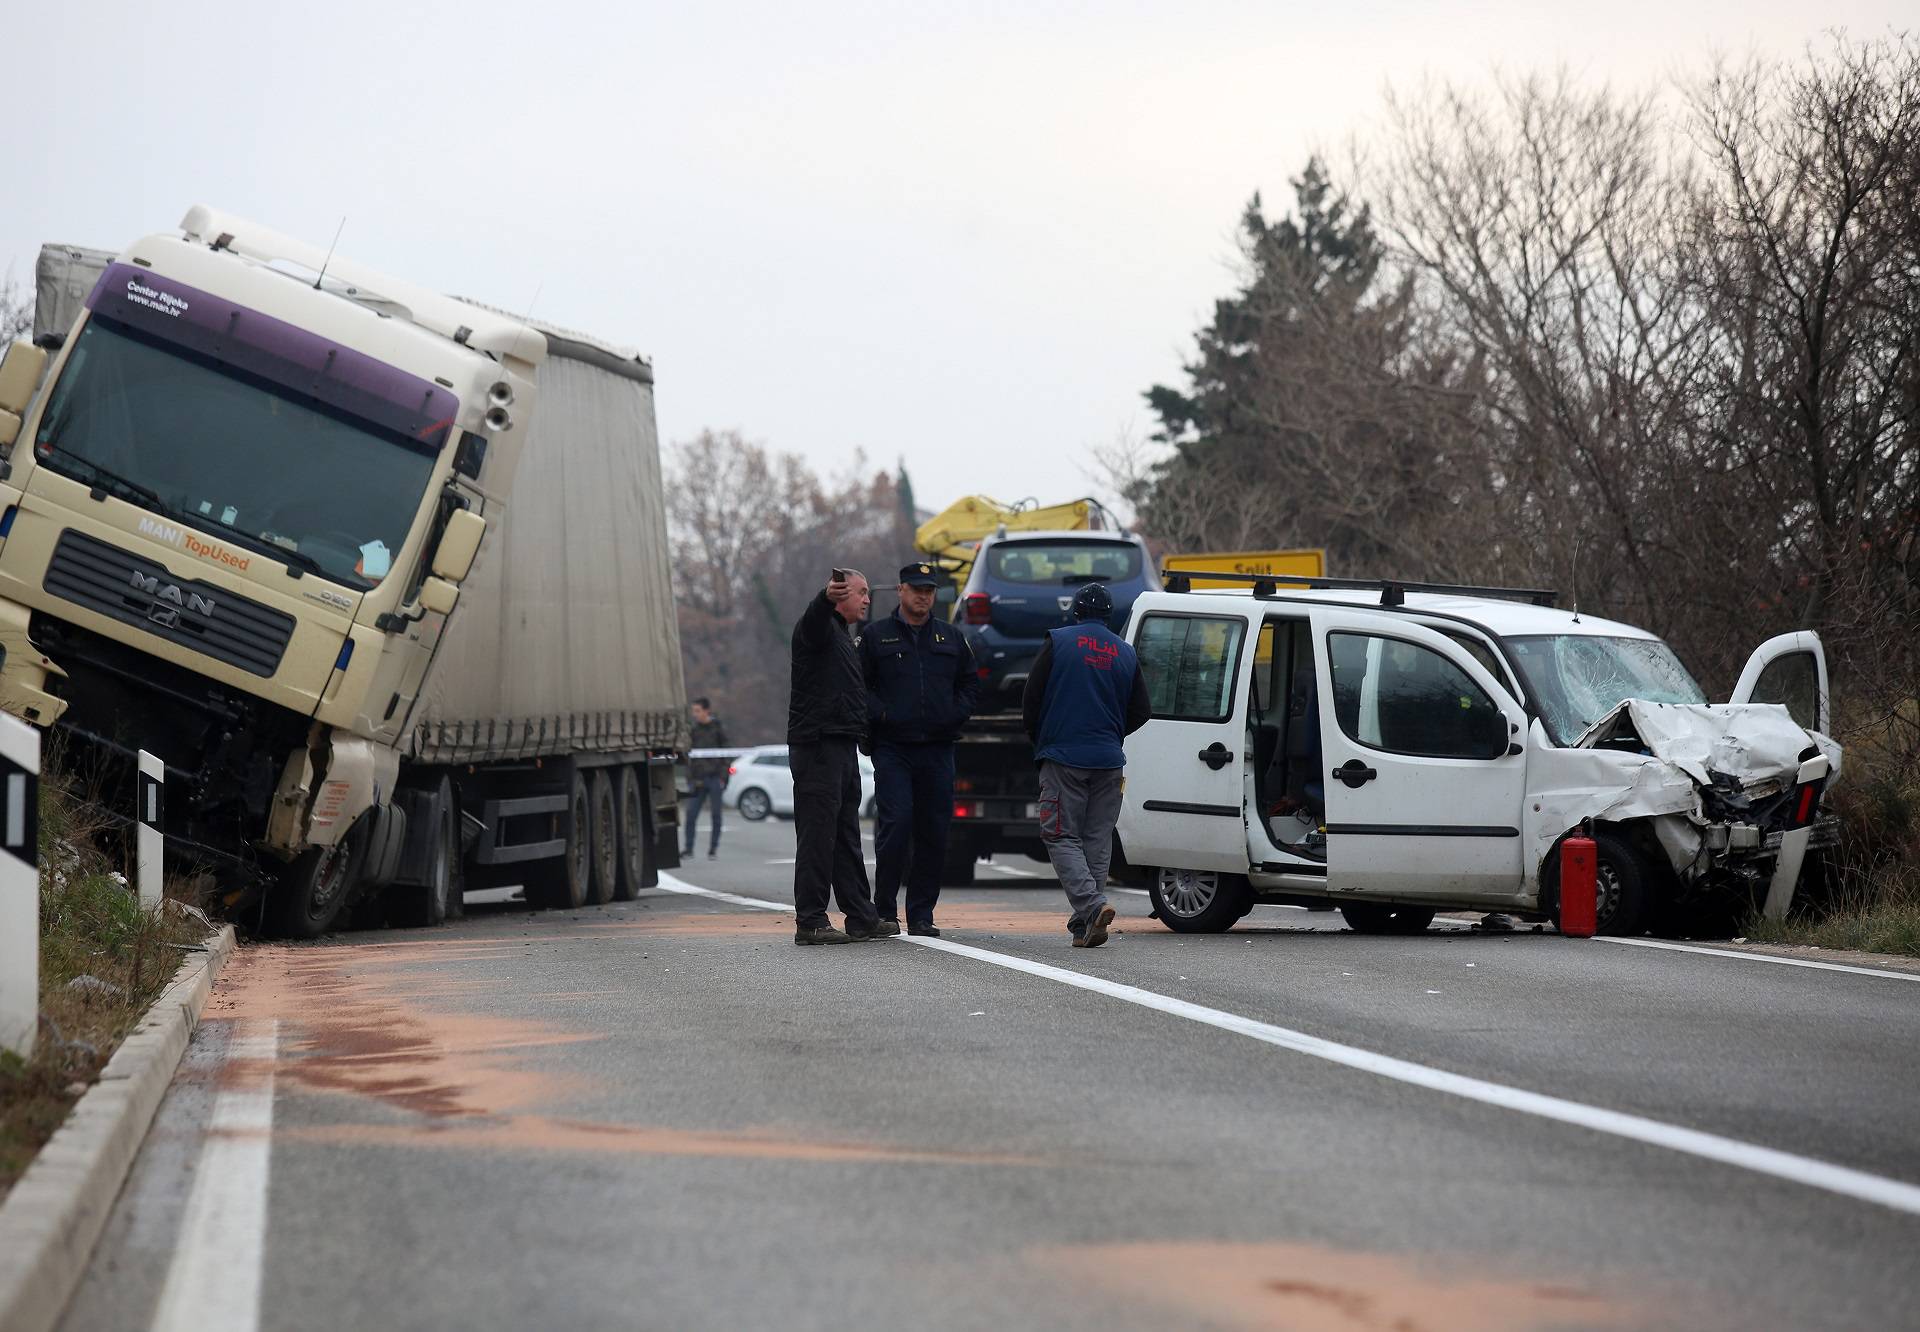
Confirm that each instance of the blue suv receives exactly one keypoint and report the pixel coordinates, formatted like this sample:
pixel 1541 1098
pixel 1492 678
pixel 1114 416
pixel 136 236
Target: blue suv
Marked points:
pixel 1022 585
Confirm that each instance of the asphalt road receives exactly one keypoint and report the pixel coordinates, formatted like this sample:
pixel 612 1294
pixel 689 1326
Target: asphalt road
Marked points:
pixel 661 1114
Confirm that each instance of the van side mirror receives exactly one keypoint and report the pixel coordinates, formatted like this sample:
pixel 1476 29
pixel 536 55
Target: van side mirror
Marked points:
pixel 459 543
pixel 20 372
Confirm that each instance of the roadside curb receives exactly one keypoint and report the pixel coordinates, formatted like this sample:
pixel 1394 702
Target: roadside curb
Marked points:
pixel 54 1216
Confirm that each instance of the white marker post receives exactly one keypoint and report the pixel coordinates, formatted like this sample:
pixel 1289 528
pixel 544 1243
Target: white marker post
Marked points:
pixel 19 885
pixel 148 842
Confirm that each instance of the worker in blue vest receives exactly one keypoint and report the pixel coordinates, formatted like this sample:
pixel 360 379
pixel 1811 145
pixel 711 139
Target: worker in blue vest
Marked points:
pixel 1084 696
pixel 921 688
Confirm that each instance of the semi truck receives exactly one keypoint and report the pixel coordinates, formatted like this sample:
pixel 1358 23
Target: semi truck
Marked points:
pixel 381 576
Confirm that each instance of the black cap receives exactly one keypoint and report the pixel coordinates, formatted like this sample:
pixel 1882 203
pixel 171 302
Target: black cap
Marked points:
pixel 1092 602
pixel 920 575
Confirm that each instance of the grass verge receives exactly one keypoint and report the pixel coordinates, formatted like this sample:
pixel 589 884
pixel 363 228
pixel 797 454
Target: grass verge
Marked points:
pixel 91 925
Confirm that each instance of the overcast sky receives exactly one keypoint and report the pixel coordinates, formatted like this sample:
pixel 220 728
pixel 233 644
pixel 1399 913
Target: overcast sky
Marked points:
pixel 963 235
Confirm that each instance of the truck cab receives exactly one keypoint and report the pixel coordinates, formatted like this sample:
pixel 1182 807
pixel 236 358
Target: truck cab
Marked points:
pixel 235 517
pixel 1396 751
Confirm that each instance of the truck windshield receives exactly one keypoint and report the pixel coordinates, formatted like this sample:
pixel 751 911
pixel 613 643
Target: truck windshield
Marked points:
pixel 233 453
pixel 1576 679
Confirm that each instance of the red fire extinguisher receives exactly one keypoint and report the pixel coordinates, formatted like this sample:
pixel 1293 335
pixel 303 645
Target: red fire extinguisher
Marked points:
pixel 1579 885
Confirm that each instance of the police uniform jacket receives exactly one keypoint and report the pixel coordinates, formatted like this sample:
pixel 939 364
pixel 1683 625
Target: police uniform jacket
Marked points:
pixel 828 698
pixel 921 683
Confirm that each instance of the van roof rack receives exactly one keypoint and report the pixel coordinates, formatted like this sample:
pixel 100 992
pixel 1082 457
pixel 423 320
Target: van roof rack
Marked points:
pixel 1393 591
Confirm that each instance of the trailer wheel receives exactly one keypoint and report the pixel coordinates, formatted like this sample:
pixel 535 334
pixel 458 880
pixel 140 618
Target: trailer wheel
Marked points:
pixel 565 881
pixel 636 838
pixel 318 884
pixel 604 840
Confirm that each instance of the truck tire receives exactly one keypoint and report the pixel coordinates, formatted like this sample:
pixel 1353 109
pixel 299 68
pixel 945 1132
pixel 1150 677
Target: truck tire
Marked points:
pixel 956 867
pixel 317 886
pixel 1199 901
pixel 636 837
pixel 603 839
pixel 755 804
pixel 1385 918
pixel 564 881
pixel 439 899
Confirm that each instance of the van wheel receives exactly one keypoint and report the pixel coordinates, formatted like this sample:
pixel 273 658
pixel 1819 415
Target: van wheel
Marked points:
pixel 1383 918
pixel 317 886
pixel 1619 889
pixel 564 881
pixel 754 804
pixel 636 838
pixel 604 839
pixel 1199 901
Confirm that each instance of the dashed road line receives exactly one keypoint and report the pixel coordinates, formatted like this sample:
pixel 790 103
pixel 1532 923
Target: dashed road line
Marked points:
pixel 1760 957
pixel 1842 1180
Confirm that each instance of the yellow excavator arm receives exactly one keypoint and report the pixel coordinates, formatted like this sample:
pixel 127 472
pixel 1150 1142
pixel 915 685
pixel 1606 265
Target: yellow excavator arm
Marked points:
pixel 951 537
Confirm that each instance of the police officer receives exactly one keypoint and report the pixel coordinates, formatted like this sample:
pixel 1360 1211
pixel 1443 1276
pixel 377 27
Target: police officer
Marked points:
pixel 1085 696
pixel 921 688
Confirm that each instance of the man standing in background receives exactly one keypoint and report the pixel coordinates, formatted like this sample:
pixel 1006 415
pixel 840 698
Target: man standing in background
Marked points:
pixel 921 687
pixel 826 718
pixel 708 776
pixel 1084 696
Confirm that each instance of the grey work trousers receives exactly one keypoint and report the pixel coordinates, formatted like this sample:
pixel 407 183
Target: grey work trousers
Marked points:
pixel 1078 808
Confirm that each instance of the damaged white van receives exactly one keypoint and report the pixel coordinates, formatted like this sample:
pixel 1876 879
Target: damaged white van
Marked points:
pixel 1398 749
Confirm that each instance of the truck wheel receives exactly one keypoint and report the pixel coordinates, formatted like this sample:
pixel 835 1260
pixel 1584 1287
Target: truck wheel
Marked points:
pixel 636 838
pixel 564 881
pixel 438 900
pixel 318 884
pixel 956 867
pixel 604 839
pixel 1199 901
pixel 754 804
pixel 1385 918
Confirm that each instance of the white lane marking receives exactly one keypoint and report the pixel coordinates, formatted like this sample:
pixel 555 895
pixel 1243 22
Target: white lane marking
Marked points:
pixel 1760 957
pixel 1016 873
pixel 1893 1193
pixel 213 1281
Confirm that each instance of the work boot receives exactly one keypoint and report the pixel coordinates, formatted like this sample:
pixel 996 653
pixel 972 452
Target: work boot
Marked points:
pixel 926 928
pixel 880 929
pixel 819 934
pixel 1096 929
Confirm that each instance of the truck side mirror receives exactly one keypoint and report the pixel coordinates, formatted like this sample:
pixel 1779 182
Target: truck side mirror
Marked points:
pixel 439 596
pixel 459 543
pixel 20 372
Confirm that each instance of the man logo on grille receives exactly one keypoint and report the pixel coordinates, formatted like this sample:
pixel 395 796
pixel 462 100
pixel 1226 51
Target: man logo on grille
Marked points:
pixel 169 600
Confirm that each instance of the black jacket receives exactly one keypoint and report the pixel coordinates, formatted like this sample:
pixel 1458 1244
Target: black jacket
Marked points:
pixel 921 685
pixel 829 697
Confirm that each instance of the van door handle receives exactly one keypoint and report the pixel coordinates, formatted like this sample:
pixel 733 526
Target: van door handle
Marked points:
pixel 1355 773
pixel 1216 756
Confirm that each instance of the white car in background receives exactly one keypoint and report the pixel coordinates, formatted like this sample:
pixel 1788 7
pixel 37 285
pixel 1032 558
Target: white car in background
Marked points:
pixel 760 782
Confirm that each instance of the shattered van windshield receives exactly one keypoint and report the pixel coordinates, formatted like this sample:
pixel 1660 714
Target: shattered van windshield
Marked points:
pixel 205 444
pixel 1576 679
